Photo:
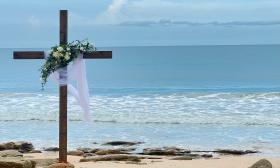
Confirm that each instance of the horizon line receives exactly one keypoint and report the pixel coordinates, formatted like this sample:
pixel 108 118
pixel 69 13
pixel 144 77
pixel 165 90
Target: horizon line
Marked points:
pixel 187 45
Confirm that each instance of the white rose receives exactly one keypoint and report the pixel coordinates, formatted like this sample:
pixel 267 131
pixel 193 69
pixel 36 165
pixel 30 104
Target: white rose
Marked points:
pixel 68 49
pixel 56 54
pixel 60 49
pixel 67 58
pixel 82 48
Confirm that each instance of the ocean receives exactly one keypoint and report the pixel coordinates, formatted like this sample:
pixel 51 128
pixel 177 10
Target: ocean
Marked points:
pixel 197 97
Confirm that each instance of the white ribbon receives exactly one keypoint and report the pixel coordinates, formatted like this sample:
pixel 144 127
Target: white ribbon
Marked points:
pixel 75 71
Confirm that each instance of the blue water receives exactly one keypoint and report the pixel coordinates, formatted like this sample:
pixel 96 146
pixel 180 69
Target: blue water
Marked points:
pixel 201 97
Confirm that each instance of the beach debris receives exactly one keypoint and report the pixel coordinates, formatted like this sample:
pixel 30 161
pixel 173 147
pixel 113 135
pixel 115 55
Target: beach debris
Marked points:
pixel 111 151
pixel 75 153
pixel 182 158
pixel 114 151
pixel 88 154
pixel 118 157
pixel 44 162
pixel 61 165
pixel 52 149
pixel 166 151
pixel 235 152
pixel 91 152
pixel 263 163
pixel 16 163
pixel 191 156
pixel 122 143
pixel 35 151
pixel 21 146
pixel 153 158
pixel 88 150
pixel 10 153
pixel 24 146
pixel 127 149
pixel 136 163
pixel 206 155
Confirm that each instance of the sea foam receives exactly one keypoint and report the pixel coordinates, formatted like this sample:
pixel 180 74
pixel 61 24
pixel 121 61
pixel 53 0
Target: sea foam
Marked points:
pixel 172 108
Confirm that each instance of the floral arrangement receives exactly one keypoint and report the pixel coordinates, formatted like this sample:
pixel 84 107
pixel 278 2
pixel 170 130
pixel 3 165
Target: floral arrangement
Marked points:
pixel 60 56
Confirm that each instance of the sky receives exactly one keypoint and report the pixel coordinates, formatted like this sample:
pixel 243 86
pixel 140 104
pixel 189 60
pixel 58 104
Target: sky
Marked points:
pixel 33 23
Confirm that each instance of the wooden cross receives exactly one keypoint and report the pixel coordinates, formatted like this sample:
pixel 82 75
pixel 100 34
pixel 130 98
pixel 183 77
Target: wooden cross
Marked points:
pixel 62 89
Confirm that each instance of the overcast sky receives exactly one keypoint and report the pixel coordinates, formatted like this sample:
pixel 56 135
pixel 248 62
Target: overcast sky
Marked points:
pixel 34 23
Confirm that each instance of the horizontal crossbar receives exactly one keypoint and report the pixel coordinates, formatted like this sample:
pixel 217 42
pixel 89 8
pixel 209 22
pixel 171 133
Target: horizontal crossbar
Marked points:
pixel 28 54
pixel 40 55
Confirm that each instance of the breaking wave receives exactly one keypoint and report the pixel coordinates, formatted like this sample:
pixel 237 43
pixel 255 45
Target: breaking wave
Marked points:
pixel 170 108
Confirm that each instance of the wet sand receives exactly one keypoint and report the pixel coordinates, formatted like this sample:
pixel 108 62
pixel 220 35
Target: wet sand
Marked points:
pixel 165 162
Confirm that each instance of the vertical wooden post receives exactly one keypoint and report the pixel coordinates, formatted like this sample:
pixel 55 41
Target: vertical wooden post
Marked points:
pixel 63 96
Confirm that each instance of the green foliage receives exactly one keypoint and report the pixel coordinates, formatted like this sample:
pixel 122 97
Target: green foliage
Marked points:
pixel 60 56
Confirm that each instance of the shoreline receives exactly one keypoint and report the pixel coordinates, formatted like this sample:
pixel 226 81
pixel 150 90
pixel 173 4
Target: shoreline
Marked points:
pixel 121 154
pixel 195 137
pixel 138 148
pixel 165 162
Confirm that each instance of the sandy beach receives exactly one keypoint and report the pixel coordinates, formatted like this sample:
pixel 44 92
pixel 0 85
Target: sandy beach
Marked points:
pixel 165 162
pixel 111 155
pixel 140 84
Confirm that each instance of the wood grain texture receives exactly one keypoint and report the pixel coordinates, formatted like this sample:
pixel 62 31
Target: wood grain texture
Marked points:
pixel 63 27
pixel 28 54
pixel 63 94
pixel 40 55
pixel 63 124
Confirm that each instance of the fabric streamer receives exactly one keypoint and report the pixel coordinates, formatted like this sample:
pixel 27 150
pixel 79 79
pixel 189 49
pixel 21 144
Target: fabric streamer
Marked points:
pixel 75 72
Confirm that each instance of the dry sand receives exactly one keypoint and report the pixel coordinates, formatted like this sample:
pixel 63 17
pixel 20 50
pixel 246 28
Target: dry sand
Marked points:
pixel 221 162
